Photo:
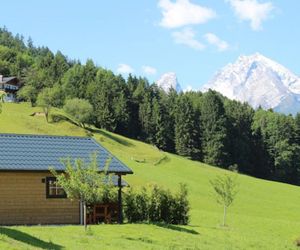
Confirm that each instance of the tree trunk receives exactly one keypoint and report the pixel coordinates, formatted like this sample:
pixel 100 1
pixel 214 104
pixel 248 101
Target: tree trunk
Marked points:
pixel 224 216
pixel 46 114
pixel 84 216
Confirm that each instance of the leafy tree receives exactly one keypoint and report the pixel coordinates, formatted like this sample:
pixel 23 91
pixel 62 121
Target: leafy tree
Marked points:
pixel 80 110
pixel 279 138
pixel 84 182
pixel 58 67
pixel 73 82
pixel 225 190
pixel 48 98
pixel 2 96
pixel 28 93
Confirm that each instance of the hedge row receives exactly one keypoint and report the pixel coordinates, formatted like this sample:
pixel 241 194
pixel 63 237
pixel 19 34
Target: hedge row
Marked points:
pixel 156 204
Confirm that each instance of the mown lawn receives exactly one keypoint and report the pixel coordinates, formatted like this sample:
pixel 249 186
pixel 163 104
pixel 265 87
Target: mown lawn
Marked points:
pixel 266 215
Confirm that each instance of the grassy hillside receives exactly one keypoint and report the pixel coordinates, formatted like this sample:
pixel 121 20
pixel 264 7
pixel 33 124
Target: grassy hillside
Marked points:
pixel 265 215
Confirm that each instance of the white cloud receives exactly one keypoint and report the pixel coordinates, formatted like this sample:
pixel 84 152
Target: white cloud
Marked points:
pixel 252 10
pixel 183 12
pixel 149 70
pixel 187 37
pixel 216 41
pixel 124 69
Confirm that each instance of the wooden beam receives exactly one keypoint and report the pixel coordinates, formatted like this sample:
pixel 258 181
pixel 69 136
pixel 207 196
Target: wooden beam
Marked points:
pixel 120 210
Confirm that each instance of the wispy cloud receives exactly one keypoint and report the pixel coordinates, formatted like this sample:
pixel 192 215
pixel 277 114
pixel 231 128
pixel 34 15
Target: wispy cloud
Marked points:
pixel 183 12
pixel 124 69
pixel 149 70
pixel 187 37
pixel 216 41
pixel 252 10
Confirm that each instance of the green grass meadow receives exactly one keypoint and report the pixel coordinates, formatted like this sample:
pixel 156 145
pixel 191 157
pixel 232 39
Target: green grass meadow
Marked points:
pixel 265 214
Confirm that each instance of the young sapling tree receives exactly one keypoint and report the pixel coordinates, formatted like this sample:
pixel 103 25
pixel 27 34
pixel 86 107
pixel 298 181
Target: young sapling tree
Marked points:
pixel 84 182
pixel 225 190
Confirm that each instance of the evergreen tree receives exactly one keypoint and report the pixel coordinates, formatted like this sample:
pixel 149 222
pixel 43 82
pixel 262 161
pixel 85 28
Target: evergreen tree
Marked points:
pixel 134 126
pixel 186 129
pixel 214 132
pixel 240 138
pixel 145 117
pixel 159 117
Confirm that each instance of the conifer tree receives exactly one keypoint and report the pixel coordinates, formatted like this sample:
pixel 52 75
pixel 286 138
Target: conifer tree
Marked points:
pixel 214 133
pixel 186 132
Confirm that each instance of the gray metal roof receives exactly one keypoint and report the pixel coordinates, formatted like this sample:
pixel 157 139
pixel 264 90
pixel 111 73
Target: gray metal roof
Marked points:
pixel 39 152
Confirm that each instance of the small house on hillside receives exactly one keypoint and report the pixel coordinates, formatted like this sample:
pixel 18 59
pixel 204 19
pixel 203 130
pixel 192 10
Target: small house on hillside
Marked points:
pixel 29 193
pixel 10 85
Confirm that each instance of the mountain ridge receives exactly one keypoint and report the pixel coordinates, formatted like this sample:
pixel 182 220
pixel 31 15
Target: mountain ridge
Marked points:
pixel 259 81
pixel 169 81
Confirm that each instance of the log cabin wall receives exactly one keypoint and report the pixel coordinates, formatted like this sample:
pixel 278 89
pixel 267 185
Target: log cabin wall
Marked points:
pixel 23 201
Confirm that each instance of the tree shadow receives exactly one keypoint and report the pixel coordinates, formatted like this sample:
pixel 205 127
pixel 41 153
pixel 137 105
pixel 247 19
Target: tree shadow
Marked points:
pixel 176 228
pixel 59 117
pixel 110 136
pixel 28 239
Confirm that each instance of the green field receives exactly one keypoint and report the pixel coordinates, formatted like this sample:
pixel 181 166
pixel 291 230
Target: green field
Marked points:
pixel 265 215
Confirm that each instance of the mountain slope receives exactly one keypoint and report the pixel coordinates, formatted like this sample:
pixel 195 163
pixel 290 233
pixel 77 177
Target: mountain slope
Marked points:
pixel 168 81
pixel 260 82
pixel 265 214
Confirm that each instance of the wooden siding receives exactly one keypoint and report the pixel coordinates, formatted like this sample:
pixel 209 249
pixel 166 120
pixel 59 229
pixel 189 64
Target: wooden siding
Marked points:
pixel 23 201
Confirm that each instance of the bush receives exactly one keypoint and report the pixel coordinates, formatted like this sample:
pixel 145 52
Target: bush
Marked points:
pixel 136 208
pixel 80 110
pixel 157 205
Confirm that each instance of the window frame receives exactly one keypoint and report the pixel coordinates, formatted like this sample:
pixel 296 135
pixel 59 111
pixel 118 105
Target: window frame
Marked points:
pixel 51 196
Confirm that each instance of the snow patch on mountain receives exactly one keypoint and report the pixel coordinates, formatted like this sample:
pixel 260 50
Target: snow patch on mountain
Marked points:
pixel 259 81
pixel 168 81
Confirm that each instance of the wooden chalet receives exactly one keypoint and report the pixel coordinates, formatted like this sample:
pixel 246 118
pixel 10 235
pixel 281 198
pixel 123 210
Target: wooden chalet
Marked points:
pixel 10 85
pixel 29 193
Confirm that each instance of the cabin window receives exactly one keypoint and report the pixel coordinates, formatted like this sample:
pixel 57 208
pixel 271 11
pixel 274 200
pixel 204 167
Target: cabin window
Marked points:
pixel 53 190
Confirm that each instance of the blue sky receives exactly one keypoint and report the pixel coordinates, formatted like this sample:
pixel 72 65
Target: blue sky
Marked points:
pixel 193 38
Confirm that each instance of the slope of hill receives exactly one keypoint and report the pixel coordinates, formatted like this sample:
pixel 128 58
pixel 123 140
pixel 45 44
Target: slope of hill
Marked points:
pixel 260 82
pixel 264 216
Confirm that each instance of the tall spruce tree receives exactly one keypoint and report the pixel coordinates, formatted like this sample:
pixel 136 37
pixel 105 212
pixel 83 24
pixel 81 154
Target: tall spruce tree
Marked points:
pixel 145 117
pixel 214 129
pixel 240 138
pixel 186 129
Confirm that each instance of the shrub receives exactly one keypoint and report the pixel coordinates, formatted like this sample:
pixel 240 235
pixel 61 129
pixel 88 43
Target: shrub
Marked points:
pixel 154 204
pixel 182 207
pixel 80 110
pixel 157 205
pixel 129 208
pixel 136 208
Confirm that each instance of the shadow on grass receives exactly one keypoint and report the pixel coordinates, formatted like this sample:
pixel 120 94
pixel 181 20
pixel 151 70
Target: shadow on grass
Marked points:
pixel 110 136
pixel 59 117
pixel 176 228
pixel 28 239
pixel 142 239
